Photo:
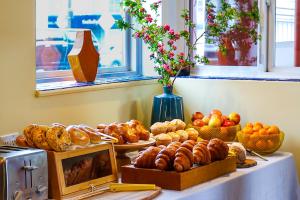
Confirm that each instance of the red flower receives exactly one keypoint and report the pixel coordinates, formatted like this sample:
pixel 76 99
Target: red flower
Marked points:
pixel 149 18
pixel 181 54
pixel 181 61
pixel 174 47
pixel 171 54
pixel 167 27
pixel 177 36
pixel 171 32
pixel 170 42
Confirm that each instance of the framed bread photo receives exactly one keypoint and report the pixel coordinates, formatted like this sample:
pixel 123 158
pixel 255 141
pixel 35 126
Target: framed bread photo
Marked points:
pixel 80 170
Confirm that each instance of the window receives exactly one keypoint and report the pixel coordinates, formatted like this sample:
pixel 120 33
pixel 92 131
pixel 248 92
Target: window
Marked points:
pixel 241 49
pixel 278 51
pixel 57 22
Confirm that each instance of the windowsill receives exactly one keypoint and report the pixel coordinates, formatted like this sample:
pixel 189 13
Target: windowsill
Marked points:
pixel 246 73
pixel 67 87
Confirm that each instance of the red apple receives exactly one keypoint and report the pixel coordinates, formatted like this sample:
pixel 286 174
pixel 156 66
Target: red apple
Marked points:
pixel 197 115
pixel 224 118
pixel 216 112
pixel 206 120
pixel 235 117
pixel 228 123
pixel 198 123
pixel 215 121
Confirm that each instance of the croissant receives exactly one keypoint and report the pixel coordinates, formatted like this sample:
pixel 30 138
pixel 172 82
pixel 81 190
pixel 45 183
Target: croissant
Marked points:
pixel 218 149
pixel 165 158
pixel 183 159
pixel 146 159
pixel 201 153
pixel 189 144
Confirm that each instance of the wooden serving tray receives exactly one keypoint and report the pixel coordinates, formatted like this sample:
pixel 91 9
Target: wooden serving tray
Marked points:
pixel 178 181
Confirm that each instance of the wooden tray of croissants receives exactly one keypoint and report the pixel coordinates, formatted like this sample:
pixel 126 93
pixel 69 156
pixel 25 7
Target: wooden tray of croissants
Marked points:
pixel 58 137
pixel 179 160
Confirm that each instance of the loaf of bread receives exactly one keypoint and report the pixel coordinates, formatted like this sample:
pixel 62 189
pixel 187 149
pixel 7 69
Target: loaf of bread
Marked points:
pixel 218 149
pixel 165 158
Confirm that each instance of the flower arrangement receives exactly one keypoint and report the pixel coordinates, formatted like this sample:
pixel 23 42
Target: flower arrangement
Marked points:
pixel 233 26
pixel 162 41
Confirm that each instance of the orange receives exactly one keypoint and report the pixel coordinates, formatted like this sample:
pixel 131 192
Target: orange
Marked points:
pixel 247 130
pixel 261 145
pixel 270 144
pixel 254 136
pixel 249 124
pixel 273 130
pixel 263 131
pixel 258 124
pixel 250 144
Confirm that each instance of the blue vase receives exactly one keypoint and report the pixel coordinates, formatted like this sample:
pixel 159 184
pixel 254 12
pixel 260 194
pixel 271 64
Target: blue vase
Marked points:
pixel 167 106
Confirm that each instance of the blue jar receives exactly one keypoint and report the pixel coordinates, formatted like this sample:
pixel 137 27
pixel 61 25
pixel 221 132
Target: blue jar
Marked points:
pixel 167 106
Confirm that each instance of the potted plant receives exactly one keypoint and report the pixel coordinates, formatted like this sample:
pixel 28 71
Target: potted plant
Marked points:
pixel 162 41
pixel 233 28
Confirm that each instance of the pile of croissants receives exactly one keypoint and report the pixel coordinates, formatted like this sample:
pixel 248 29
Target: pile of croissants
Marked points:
pixel 182 156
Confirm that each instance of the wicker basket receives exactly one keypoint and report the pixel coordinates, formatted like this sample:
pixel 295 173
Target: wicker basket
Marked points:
pixel 263 144
pixel 227 134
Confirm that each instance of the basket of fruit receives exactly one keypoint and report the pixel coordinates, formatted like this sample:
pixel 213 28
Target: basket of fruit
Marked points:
pixel 263 139
pixel 216 125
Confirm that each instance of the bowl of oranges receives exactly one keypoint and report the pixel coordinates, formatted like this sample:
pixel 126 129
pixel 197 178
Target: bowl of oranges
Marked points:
pixel 261 138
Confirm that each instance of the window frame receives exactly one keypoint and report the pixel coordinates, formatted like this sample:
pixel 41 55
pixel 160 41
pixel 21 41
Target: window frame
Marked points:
pixel 265 68
pixel 132 67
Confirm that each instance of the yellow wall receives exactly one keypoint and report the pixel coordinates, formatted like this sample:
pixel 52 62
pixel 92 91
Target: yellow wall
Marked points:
pixel 269 102
pixel 19 107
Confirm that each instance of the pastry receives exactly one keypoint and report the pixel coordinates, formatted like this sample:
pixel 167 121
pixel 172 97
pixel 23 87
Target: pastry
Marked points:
pixel 21 141
pixel 113 131
pixel 58 124
pixel 239 151
pixel 94 135
pixel 175 136
pixel 101 127
pixel 179 124
pixel 183 135
pixel 146 159
pixel 189 144
pixel 78 136
pixel 158 128
pixel 170 126
pixel 201 153
pixel 28 134
pixel 193 134
pixel 183 159
pixel 131 135
pixel 58 138
pixel 163 139
pixel 218 149
pixel 165 158
pixel 142 132
pixel 39 137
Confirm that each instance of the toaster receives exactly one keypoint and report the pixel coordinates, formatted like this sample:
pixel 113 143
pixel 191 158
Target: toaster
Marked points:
pixel 23 173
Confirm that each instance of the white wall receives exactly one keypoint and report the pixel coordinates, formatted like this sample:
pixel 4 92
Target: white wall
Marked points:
pixel 266 101
pixel 19 107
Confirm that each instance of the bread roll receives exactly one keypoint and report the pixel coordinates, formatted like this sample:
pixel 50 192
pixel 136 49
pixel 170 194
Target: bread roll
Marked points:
pixel 163 139
pixel 218 149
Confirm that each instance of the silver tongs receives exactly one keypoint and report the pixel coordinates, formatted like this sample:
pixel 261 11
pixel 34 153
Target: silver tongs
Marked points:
pixel 251 152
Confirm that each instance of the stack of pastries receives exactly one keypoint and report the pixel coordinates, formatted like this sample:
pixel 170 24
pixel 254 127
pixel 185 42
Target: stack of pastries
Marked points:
pixel 128 132
pixel 58 137
pixel 172 131
pixel 182 156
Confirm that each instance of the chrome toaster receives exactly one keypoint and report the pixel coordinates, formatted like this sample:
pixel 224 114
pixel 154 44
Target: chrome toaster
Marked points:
pixel 23 173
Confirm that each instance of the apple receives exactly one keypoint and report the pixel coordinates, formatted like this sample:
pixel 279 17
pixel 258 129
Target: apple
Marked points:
pixel 198 123
pixel 216 112
pixel 224 118
pixel 215 121
pixel 228 123
pixel 206 120
pixel 197 115
pixel 235 117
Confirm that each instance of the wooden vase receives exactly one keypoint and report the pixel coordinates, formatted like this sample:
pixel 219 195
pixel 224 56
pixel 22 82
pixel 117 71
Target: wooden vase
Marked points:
pixel 84 57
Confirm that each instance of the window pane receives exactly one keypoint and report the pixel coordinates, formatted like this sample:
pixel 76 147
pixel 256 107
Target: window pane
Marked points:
pixel 57 22
pixel 241 50
pixel 285 33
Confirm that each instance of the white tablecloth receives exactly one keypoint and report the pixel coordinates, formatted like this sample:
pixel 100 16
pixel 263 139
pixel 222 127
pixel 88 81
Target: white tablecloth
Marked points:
pixel 275 179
